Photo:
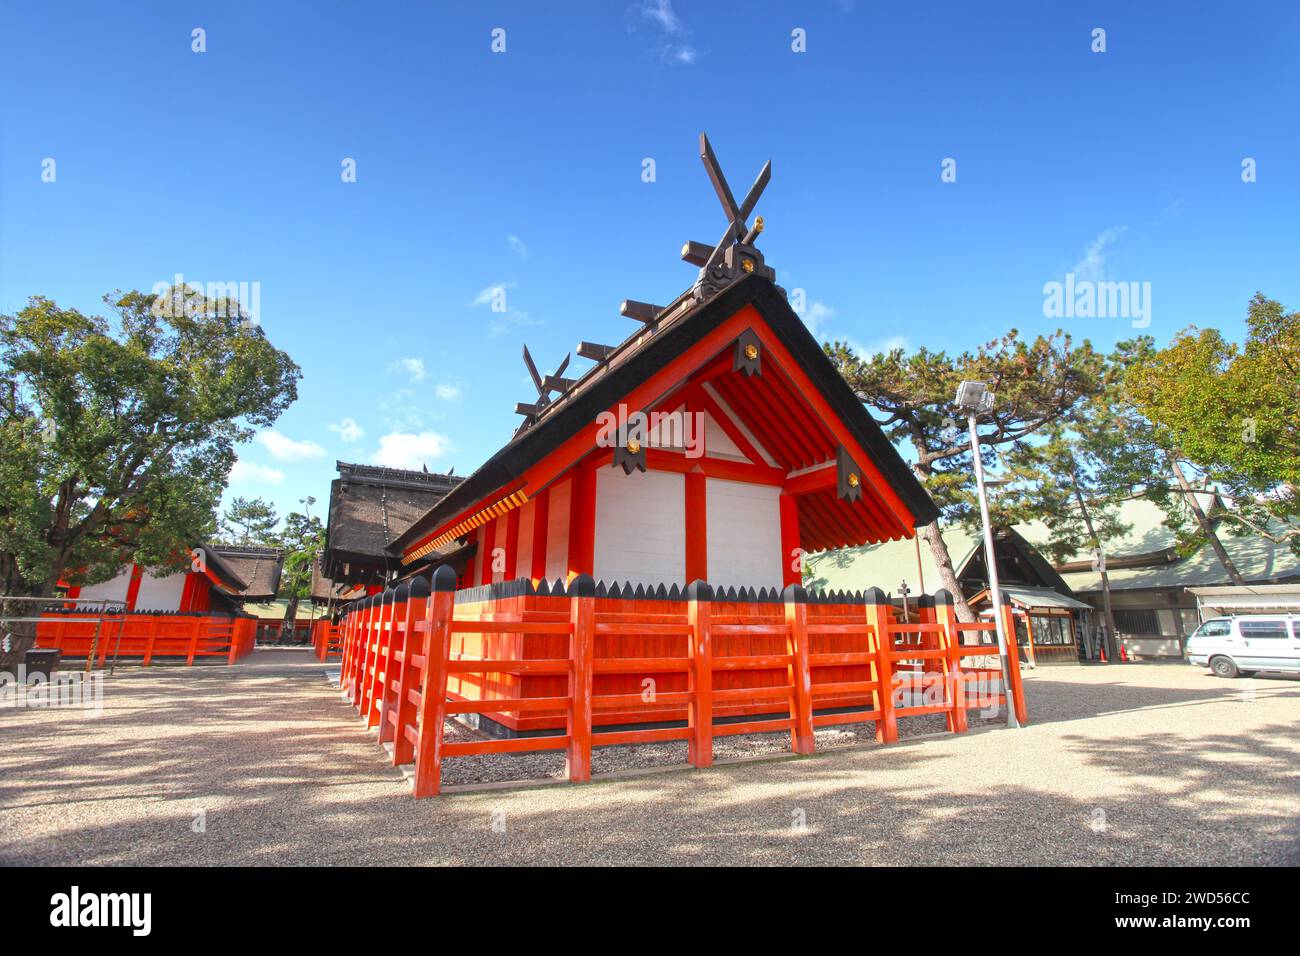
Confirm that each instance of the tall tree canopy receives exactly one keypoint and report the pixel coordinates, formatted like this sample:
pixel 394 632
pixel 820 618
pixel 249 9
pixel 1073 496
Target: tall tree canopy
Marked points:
pixel 118 434
pixel 302 539
pixel 1234 412
pixel 912 397
pixel 249 521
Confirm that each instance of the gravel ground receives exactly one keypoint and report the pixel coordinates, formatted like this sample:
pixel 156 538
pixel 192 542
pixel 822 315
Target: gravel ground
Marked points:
pixel 263 763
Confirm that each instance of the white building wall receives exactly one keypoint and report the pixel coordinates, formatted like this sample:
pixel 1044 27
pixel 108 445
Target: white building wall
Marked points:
pixel 557 532
pixel 640 527
pixel 114 589
pixel 160 594
pixel 744 534
pixel 156 594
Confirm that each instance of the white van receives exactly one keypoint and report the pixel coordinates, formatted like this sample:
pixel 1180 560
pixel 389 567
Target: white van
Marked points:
pixel 1233 646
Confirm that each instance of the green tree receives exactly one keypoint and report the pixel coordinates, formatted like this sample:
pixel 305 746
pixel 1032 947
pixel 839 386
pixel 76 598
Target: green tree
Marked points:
pixel 249 521
pixel 912 397
pixel 1234 412
pixel 302 539
pixel 117 435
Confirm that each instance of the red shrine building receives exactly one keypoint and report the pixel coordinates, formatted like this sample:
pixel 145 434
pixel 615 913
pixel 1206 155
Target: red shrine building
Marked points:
pixel 718 442
pixel 628 568
pixel 220 579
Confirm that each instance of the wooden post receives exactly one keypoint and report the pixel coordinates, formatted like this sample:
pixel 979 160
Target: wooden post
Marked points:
pixel 796 618
pixel 194 637
pixel 149 644
pixel 433 685
pixel 700 715
pixel 373 682
pixel 1016 692
pixel 695 529
pixel 359 647
pixel 877 608
pixel 791 570
pixel 417 610
pixel 1029 639
pixel 946 614
pixel 489 544
pixel 582 522
pixel 395 639
pixel 582 594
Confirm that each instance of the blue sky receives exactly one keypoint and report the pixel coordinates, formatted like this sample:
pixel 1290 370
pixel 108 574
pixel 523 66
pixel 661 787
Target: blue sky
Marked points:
pixel 523 170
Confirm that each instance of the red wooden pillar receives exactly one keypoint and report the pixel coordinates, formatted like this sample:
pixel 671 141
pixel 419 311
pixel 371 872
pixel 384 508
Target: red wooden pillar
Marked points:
pixel 877 609
pixel 582 523
pixel 512 545
pixel 697 539
pixel 700 716
pixel 486 557
pixel 349 616
pixel 796 618
pixel 133 586
pixel 433 689
pixel 1016 695
pixel 187 592
pixel 582 591
pixel 375 672
pixel 946 614
pixel 541 518
pixel 791 562
pixel 399 633
pixel 149 643
pixel 404 709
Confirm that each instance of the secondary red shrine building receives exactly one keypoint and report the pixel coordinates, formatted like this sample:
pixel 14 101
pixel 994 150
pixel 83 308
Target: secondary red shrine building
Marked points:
pixel 716 444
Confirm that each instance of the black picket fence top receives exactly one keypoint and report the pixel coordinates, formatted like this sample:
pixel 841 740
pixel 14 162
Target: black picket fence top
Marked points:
pixel 92 612
pixel 584 586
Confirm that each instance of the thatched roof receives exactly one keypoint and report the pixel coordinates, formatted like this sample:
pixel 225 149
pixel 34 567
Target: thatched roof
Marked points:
pixel 323 589
pixel 258 567
pixel 370 507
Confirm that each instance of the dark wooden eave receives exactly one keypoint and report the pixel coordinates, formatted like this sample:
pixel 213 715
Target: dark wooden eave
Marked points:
pixel 603 386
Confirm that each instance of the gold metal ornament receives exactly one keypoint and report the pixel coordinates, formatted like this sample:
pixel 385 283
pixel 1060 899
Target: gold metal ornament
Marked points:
pixel 853 479
pixel 633 446
pixel 751 351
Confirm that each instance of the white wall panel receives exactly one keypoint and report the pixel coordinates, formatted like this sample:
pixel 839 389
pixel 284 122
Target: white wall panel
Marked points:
pixel 114 589
pixel 640 527
pixel 557 532
pixel 744 534
pixel 160 594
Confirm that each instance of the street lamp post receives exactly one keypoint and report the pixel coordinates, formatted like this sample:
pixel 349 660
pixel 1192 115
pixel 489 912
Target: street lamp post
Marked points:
pixel 975 399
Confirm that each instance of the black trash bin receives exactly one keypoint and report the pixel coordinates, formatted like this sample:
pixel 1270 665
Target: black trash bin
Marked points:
pixel 43 661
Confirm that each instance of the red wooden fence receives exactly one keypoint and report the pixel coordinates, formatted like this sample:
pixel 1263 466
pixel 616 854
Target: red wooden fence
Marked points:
pixel 148 636
pixel 326 638
pixel 570 660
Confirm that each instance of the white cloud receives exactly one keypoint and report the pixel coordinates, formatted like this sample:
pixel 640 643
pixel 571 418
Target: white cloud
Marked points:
pixel 248 473
pixel 674 45
pixel 410 449
pixel 1093 264
pixel 284 448
pixel 881 346
pixel 412 368
pixel 515 319
pixel 489 293
pixel 348 430
pixel 447 392
pixel 518 246
pixel 816 316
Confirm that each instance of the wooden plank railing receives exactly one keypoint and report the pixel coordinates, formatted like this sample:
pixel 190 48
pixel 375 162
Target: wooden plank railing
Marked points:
pixel 148 636
pixel 577 656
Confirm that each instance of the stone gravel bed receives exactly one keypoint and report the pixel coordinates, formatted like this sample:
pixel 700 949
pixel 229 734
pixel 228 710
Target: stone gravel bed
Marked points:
pixel 549 765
